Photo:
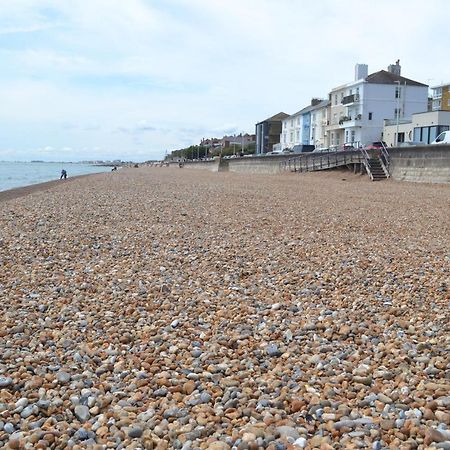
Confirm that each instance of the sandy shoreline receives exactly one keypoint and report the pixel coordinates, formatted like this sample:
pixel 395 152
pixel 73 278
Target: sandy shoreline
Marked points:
pixel 166 308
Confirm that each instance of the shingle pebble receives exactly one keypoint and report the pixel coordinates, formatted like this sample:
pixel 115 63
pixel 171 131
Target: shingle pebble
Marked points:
pixel 166 308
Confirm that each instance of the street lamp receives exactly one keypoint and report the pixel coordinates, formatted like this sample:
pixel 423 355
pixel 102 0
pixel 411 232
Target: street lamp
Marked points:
pixel 398 110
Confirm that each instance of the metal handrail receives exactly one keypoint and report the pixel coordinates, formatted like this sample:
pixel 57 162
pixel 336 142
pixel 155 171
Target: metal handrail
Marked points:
pixel 385 159
pixel 366 160
pixel 310 162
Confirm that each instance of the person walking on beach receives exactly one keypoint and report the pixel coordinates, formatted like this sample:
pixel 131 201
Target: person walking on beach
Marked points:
pixel 63 174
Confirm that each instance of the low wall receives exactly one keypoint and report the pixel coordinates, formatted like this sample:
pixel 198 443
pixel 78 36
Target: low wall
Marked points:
pixel 212 165
pixel 427 164
pixel 269 164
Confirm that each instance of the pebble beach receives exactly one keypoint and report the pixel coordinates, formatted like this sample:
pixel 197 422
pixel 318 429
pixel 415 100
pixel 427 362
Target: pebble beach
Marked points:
pixel 166 308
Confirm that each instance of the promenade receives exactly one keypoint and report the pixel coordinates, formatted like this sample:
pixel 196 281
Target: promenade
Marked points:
pixel 166 308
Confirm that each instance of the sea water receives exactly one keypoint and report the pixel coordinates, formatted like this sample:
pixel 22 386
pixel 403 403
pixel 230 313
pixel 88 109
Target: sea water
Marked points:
pixel 18 174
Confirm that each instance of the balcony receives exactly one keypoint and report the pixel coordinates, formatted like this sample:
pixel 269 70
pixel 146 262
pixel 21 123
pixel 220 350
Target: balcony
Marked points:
pixel 344 119
pixel 349 121
pixel 350 99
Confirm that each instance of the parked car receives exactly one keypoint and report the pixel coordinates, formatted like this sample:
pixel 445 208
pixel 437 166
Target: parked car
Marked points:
pixel 410 143
pixel 302 148
pixel 323 150
pixel 376 145
pixel 443 138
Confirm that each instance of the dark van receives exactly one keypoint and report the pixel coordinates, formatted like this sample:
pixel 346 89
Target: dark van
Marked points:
pixel 302 148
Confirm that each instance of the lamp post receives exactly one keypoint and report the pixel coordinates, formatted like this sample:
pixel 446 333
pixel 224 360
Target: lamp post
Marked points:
pixel 398 111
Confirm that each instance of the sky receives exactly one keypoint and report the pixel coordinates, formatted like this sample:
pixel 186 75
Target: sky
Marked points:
pixel 134 79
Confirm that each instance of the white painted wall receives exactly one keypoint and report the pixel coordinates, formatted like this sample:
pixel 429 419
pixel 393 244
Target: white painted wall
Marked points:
pixel 291 131
pixel 319 119
pixel 379 99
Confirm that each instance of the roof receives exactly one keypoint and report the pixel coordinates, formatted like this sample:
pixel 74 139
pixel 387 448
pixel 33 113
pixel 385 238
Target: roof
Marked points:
pixel 309 108
pixel 440 85
pixel 385 77
pixel 279 116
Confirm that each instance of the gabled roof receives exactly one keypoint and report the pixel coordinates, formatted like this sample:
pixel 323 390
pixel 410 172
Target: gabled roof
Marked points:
pixel 279 116
pixel 385 77
pixel 309 108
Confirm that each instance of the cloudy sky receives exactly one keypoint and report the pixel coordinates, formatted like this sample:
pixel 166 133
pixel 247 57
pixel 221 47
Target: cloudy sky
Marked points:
pixel 130 79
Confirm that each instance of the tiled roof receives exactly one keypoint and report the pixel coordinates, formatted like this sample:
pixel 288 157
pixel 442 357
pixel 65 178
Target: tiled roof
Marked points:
pixel 385 77
pixel 309 108
pixel 279 116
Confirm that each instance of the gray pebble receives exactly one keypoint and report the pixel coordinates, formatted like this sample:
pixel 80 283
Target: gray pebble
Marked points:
pixel 82 413
pixel 135 432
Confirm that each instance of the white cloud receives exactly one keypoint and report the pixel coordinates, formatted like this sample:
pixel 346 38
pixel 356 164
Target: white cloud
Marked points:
pixel 167 73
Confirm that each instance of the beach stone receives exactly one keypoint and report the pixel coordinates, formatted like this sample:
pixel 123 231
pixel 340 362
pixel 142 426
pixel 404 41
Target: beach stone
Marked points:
pixel 434 435
pixel 301 442
pixel 8 428
pixel 272 350
pixel 28 411
pixel 287 431
pixel 292 311
pixel 5 382
pixel 82 413
pixel 135 432
pixel 218 446
pixel 63 377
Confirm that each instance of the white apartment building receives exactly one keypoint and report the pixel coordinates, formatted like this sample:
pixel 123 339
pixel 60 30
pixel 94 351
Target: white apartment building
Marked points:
pixel 358 109
pixel 291 131
pixel 319 122
pixel 305 127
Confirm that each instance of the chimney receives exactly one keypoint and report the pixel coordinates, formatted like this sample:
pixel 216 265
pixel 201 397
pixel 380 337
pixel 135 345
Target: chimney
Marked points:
pixel 315 101
pixel 395 68
pixel 361 71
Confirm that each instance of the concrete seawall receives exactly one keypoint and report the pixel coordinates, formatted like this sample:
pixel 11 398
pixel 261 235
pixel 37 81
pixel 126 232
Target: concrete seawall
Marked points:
pixel 426 164
pixel 257 165
pixel 212 166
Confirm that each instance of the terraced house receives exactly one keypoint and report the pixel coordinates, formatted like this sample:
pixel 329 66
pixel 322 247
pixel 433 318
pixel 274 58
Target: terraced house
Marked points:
pixel 358 108
pixel 305 127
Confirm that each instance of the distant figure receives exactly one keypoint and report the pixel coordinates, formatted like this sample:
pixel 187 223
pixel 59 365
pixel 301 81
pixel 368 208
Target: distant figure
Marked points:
pixel 63 174
pixel 114 169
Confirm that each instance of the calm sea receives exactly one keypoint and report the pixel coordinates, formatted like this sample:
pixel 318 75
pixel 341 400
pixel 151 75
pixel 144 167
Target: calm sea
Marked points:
pixel 18 174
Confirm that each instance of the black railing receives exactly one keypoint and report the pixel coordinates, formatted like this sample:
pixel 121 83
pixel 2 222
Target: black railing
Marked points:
pixel 350 99
pixel 309 162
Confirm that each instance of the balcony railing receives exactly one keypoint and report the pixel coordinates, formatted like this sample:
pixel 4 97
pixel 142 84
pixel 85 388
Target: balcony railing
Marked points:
pixel 350 99
pixel 349 118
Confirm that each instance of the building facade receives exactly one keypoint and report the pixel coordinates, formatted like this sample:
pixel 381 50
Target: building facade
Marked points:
pixel 268 133
pixel 440 97
pixel 319 122
pixel 423 127
pixel 305 126
pixel 240 140
pixel 358 109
